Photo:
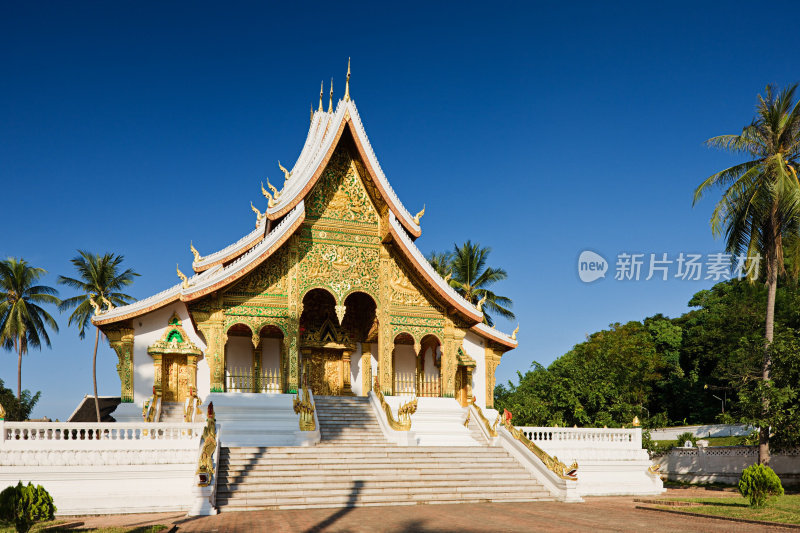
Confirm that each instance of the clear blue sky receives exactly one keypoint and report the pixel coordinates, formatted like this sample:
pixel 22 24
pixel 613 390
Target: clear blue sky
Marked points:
pixel 537 130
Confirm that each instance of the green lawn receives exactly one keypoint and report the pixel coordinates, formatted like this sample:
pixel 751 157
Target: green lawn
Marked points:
pixel 785 509
pixel 8 527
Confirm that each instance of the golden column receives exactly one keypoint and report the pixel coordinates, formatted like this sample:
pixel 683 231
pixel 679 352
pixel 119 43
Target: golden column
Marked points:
pixel 347 388
pixel 191 362
pixel 212 326
pixel 157 373
pixel 366 368
pixel 121 340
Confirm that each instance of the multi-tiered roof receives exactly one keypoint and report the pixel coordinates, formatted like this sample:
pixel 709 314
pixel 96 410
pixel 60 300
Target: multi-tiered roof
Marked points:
pixel 286 213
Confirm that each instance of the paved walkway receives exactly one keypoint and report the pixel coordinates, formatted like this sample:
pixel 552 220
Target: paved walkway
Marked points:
pixel 595 515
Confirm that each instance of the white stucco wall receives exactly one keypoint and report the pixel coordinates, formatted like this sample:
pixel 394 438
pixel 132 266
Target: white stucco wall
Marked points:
pixel 474 347
pixel 270 354
pixel 147 330
pixel 405 362
pixel 238 354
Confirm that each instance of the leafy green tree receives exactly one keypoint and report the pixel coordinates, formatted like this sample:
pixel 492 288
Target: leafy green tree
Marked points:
pixel 23 323
pixel 100 280
pixel 17 410
pixel 24 505
pixel 760 205
pixel 441 262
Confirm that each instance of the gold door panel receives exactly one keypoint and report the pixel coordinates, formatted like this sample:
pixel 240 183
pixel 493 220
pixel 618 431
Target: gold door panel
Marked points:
pixel 174 378
pixel 325 373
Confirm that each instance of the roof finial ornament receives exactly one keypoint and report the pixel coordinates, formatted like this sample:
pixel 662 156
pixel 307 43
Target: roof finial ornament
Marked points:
pixel 312 112
pixel 195 253
pixel 275 193
pixel 258 213
pixel 347 83
pixel 514 333
pixel 330 102
pixel 286 173
pixel 97 308
pixel 184 279
pixel 448 277
pixel 481 302
pixel 321 85
pixel 419 215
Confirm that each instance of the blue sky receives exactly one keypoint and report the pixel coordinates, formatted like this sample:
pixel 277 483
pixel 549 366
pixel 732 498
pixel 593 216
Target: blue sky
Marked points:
pixel 536 129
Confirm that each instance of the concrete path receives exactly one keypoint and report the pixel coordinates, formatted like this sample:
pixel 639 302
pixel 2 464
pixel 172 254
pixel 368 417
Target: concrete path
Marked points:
pixel 596 515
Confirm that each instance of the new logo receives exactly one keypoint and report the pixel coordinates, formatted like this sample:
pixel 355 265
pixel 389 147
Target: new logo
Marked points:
pixel 591 266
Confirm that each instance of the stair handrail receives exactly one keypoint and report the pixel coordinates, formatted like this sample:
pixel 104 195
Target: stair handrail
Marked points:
pixel 490 429
pixel 192 408
pixel 552 463
pixel 149 410
pixel 205 462
pixel 305 408
pixel 404 412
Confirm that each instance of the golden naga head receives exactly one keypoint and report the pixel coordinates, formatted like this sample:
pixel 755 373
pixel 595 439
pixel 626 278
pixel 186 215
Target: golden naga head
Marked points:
pixel 481 302
pixel 195 253
pixel 275 193
pixel 514 333
pixel 286 173
pixel 419 215
pixel 184 279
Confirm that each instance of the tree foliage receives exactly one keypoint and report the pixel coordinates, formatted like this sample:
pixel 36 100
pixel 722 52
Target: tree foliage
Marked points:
pixel 758 484
pixel 17 410
pixel 672 371
pixel 25 505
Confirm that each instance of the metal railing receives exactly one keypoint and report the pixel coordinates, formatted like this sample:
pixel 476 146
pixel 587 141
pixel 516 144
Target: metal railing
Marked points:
pixel 250 380
pixel 422 385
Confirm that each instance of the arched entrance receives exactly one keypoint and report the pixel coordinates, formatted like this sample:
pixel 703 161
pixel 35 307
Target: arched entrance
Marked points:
pixel 330 335
pixel 240 359
pixel 429 371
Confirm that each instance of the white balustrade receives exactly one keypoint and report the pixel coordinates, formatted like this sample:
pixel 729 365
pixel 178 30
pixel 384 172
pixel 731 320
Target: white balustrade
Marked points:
pixel 608 438
pixel 98 435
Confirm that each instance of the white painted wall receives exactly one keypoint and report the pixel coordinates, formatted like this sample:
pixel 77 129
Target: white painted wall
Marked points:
pixel 270 354
pixel 147 330
pixel 474 347
pixel 238 355
pixel 405 360
pixel 724 464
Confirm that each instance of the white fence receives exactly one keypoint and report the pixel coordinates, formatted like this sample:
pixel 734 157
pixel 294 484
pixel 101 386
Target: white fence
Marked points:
pixel 99 468
pixel 724 464
pixel 610 460
pixel 702 432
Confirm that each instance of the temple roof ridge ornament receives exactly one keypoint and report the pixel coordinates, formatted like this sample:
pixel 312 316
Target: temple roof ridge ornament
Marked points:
pixel 321 91
pixel 184 279
pixel 195 253
pixel 347 83
pixel 514 333
pixel 330 102
pixel 419 215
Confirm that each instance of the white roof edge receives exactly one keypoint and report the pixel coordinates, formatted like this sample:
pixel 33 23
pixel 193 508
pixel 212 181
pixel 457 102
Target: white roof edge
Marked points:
pixel 427 266
pixel 238 245
pixel 318 143
pixel 167 294
pixel 494 332
pixel 202 282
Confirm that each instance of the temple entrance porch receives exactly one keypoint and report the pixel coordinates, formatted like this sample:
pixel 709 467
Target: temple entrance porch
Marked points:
pixel 254 362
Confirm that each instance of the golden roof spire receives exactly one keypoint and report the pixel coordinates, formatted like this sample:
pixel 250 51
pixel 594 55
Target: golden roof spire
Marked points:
pixel 483 301
pixel 347 83
pixel 514 333
pixel 419 215
pixel 184 279
pixel 330 102
pixel 195 253
pixel 286 173
pixel 312 112
pixel 321 84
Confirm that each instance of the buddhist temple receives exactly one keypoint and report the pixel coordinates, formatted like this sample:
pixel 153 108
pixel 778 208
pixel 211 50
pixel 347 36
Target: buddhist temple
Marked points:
pixel 329 287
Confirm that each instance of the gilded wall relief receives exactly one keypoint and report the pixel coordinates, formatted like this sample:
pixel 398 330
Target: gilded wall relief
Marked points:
pixel 340 194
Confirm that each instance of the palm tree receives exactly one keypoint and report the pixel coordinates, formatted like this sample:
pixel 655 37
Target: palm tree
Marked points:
pixel 472 279
pixel 99 281
pixel 23 323
pixel 441 262
pixel 760 205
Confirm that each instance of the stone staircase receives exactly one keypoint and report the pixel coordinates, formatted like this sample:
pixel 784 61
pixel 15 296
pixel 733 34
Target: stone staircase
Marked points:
pixel 172 412
pixel 354 465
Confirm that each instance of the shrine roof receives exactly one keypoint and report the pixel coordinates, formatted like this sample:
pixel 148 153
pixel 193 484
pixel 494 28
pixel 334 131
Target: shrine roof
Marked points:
pixel 215 277
pixel 324 133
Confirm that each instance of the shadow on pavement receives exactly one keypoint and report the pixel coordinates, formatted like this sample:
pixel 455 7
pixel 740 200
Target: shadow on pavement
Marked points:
pixel 348 507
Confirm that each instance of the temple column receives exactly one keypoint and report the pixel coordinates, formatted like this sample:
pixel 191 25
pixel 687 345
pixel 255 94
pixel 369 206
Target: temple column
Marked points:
pixel 191 362
pixel 347 388
pixel 304 370
pixel 213 330
pixel 157 374
pixel 366 368
pixel 419 378
pixel 293 326
pixel 121 340
pixel 492 359
pixel 385 339
pixel 255 384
